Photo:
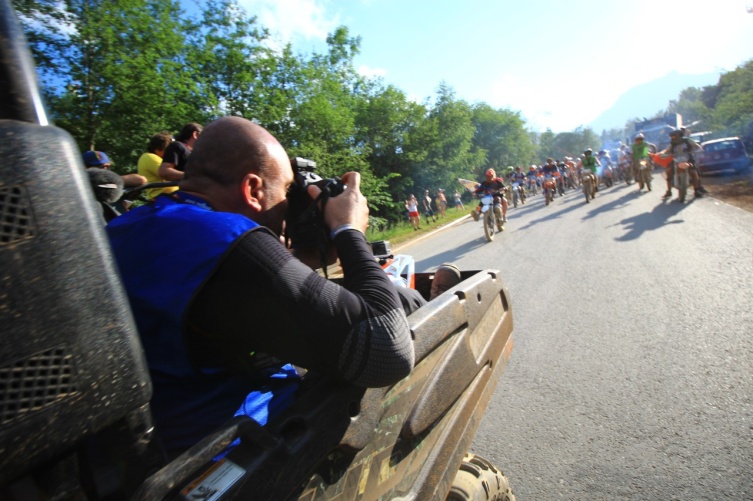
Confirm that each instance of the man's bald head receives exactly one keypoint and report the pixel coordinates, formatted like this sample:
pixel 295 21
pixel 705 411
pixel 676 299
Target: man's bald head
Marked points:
pixel 228 149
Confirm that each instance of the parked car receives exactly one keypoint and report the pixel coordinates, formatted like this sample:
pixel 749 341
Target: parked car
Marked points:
pixel 728 153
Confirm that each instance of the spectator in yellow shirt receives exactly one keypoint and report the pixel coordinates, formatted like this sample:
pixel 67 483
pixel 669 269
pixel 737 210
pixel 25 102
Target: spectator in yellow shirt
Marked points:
pixel 150 161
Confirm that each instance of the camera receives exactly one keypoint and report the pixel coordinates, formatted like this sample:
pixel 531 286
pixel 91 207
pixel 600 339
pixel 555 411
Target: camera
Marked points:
pixel 304 222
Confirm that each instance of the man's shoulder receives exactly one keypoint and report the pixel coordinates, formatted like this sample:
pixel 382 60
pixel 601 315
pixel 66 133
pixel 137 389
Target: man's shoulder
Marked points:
pixel 148 160
pixel 176 146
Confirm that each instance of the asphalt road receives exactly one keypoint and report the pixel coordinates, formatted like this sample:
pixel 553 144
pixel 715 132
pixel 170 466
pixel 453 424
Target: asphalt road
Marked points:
pixel 632 372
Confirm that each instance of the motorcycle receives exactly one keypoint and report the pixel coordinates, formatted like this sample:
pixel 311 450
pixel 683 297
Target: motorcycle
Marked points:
pixel 627 172
pixel 549 187
pixel 488 215
pixel 682 178
pixel 560 183
pixel 588 182
pixel 532 186
pixel 608 177
pixel 518 193
pixel 644 173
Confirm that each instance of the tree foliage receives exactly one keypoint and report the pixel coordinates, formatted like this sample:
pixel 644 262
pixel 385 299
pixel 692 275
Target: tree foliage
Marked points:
pixel 116 71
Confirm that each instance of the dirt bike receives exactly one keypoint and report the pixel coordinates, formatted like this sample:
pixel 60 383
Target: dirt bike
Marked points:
pixel 77 389
pixel 491 222
pixel 560 183
pixel 608 177
pixel 589 185
pixel 682 179
pixel 533 186
pixel 549 187
pixel 518 193
pixel 570 180
pixel 627 173
pixel 644 173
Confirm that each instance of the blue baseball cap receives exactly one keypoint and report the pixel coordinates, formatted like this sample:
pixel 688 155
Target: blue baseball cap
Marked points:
pixel 95 158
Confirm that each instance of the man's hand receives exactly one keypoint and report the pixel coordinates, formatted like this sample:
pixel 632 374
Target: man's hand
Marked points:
pixel 349 207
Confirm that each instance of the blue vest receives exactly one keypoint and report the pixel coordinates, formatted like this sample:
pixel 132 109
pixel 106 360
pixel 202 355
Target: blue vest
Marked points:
pixel 165 251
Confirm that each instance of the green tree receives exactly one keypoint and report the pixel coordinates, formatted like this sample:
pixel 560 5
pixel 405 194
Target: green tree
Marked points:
pixel 546 147
pixel 383 123
pixel 501 135
pixel 442 144
pixel 733 107
pixel 690 106
pixel 110 70
pixel 225 49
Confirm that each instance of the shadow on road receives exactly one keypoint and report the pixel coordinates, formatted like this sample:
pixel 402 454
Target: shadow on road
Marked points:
pixel 552 207
pixel 649 221
pixel 614 204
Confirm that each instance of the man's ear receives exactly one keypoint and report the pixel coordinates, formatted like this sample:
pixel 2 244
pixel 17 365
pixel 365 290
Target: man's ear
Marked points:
pixel 252 192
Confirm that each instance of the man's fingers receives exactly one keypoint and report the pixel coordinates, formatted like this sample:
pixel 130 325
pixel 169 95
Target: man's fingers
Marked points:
pixel 352 180
pixel 313 191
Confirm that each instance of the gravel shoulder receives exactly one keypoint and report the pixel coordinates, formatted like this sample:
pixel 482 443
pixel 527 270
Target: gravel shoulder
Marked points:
pixel 735 189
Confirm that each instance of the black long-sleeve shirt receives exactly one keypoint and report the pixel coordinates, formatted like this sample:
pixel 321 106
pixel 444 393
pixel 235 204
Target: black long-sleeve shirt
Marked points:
pixel 261 299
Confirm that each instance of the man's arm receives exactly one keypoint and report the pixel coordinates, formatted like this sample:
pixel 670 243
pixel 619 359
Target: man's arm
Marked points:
pixel 133 180
pixel 168 168
pixel 168 172
pixel 262 299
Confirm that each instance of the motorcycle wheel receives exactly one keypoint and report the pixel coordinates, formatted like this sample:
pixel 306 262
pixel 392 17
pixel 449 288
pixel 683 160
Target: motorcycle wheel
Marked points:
pixel 587 191
pixel 515 200
pixel 682 182
pixel 478 479
pixel 546 196
pixel 647 178
pixel 489 224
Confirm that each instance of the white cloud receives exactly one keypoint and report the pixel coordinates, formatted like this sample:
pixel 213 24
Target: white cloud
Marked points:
pixel 366 71
pixel 288 19
pixel 560 105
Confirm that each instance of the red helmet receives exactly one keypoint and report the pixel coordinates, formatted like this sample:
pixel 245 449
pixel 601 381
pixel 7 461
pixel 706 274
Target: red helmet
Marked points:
pixel 490 173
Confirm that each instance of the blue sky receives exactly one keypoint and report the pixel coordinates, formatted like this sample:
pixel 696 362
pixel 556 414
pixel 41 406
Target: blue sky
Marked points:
pixel 559 63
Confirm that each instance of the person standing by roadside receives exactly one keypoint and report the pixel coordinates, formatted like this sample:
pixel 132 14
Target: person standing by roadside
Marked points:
pixel 150 162
pixel 411 205
pixel 427 207
pixel 458 201
pixel 176 155
pixel 441 202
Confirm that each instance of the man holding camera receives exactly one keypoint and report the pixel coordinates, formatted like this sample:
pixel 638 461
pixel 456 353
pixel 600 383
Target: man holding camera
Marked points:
pixel 219 301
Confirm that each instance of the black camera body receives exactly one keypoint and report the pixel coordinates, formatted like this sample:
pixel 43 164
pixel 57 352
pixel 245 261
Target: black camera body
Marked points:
pixel 304 222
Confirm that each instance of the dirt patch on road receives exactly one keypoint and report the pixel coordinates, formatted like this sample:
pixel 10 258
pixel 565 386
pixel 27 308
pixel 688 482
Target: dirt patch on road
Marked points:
pixel 735 189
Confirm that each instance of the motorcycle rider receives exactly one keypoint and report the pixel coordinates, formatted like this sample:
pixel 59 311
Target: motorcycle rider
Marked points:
pixel 641 150
pixel 549 169
pixel 532 181
pixel 606 162
pixel 492 185
pixel 682 148
pixel 520 178
pixel 590 165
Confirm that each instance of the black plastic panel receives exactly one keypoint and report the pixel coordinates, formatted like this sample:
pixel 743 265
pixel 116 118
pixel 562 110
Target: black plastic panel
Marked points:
pixel 71 362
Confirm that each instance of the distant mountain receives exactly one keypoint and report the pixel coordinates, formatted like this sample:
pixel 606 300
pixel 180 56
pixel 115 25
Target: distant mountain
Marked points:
pixel 647 99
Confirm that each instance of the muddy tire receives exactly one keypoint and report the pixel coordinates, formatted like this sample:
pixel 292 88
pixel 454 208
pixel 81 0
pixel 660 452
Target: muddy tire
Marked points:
pixel 489 224
pixel 646 173
pixel 479 480
pixel 682 182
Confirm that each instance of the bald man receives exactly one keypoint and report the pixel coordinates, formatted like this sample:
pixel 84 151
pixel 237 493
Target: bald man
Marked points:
pixel 219 301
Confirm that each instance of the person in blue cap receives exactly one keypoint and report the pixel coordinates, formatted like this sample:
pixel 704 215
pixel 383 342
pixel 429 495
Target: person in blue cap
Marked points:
pixel 100 160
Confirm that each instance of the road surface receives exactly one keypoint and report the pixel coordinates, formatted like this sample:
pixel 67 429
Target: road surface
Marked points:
pixel 632 372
